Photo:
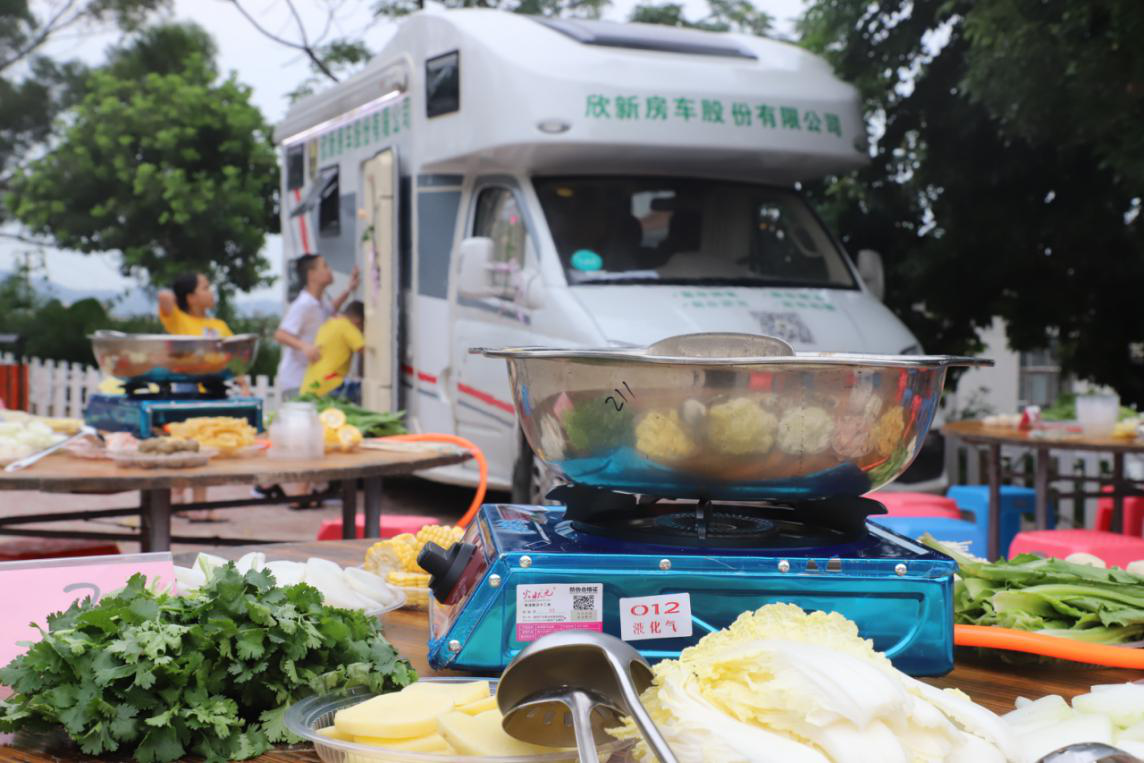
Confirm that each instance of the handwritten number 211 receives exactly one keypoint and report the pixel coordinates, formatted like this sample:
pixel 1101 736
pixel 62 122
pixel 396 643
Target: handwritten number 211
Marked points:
pixel 618 404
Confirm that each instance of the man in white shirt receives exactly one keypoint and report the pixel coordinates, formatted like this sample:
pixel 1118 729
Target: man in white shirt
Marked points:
pixel 303 318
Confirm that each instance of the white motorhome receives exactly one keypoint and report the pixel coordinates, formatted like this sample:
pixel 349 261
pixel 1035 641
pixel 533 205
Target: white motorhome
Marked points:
pixel 512 180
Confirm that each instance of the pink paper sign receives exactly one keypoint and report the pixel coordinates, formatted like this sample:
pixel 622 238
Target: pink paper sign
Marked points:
pixel 32 590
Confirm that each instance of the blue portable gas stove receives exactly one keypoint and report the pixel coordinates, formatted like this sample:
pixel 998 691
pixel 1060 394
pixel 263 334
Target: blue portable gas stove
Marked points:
pixel 149 403
pixel 663 574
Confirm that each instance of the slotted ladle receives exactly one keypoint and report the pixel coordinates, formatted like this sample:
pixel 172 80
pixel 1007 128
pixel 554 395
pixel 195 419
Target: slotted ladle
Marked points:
pixel 608 672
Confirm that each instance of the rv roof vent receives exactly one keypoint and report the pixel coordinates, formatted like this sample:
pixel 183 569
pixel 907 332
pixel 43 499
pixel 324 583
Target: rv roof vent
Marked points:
pixel 645 37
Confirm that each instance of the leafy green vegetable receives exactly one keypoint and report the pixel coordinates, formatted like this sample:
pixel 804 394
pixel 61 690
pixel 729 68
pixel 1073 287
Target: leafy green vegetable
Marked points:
pixel 371 423
pixel 209 674
pixel 1051 596
pixel 594 425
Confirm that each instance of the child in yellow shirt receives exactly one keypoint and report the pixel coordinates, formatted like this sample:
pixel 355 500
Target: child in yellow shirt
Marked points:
pixel 337 341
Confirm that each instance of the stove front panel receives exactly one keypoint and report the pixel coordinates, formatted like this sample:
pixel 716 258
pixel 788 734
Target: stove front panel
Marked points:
pixel 898 593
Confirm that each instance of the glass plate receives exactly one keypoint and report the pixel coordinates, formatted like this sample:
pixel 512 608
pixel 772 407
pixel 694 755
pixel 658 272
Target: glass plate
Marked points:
pixel 306 717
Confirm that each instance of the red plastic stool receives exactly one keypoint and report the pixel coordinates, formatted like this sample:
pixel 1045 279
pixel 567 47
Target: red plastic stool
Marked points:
pixel 917 505
pixel 391 524
pixel 1133 513
pixel 1115 549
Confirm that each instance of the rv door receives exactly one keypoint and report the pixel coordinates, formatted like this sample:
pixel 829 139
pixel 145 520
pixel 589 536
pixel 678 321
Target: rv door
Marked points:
pixel 380 280
pixel 490 308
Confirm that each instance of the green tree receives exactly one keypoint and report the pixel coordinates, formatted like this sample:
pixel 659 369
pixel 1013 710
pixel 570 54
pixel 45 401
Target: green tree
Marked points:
pixel 330 59
pixel 981 204
pixel 1088 88
pixel 174 169
pixel 34 88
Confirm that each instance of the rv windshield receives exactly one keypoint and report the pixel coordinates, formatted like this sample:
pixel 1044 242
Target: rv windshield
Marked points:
pixel 687 231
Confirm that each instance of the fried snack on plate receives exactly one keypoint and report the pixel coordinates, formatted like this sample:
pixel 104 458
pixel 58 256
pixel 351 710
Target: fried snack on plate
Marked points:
pixel 226 434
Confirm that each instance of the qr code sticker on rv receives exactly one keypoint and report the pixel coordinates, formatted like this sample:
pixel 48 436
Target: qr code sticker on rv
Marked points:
pixel 786 326
pixel 583 608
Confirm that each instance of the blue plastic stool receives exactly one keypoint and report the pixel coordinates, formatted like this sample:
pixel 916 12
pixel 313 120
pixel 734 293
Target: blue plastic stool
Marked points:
pixel 942 528
pixel 1015 501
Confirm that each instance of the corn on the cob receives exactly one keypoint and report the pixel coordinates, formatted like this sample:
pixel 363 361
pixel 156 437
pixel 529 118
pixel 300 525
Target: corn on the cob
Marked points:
pixel 415 585
pixel 443 535
pixel 396 559
pixel 400 552
pixel 408 579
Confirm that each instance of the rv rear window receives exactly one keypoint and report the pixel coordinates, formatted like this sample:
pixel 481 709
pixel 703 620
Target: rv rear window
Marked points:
pixel 443 84
pixel 329 213
pixel 295 167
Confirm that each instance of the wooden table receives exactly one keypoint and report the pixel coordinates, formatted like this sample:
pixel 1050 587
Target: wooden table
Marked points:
pixel 67 474
pixel 990 683
pixel 1042 441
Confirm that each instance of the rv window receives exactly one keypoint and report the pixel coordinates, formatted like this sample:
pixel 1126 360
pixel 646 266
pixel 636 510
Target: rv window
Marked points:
pixel 688 231
pixel 443 84
pixel 295 167
pixel 498 217
pixel 329 213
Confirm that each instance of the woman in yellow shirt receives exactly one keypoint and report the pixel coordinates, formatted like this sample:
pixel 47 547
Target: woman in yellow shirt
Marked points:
pixel 183 311
pixel 183 308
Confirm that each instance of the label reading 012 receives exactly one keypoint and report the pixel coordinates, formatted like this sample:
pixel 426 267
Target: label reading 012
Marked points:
pixel 652 617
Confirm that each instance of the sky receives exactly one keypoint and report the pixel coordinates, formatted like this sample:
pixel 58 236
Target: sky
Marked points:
pixel 271 70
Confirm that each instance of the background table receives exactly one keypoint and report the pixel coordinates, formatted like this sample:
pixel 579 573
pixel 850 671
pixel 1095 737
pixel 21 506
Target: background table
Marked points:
pixel 1042 441
pixel 989 682
pixel 67 474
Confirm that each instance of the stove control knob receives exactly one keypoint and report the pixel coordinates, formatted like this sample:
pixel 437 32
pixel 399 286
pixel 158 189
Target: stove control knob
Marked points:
pixel 445 567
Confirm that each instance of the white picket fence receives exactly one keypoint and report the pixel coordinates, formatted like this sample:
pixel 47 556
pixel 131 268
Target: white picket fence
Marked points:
pixel 62 389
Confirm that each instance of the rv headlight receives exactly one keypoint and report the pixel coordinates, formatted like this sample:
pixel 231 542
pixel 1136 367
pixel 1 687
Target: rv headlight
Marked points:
pixel 913 349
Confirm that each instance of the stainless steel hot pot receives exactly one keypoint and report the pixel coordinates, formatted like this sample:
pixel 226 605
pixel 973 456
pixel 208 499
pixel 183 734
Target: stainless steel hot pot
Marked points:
pixel 725 416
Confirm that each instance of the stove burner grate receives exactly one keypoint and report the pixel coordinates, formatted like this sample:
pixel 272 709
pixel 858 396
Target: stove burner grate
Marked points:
pixel 789 525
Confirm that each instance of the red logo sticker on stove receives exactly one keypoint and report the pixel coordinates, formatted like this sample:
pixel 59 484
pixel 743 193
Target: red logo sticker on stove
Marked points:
pixel 549 607
pixel 648 617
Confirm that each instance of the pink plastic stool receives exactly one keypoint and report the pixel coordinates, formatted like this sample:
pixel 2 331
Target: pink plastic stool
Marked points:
pixel 391 524
pixel 1133 513
pixel 1115 549
pixel 917 505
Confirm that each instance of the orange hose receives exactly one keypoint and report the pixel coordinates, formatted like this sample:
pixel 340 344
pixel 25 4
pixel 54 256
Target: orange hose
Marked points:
pixel 468 445
pixel 992 637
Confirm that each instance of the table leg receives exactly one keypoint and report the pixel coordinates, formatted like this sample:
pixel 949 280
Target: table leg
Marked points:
pixel 349 509
pixel 155 520
pixel 1041 488
pixel 1118 492
pixel 994 501
pixel 373 507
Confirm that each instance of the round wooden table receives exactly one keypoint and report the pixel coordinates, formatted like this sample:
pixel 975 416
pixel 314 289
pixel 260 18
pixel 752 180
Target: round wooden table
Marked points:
pixel 1042 441
pixel 62 473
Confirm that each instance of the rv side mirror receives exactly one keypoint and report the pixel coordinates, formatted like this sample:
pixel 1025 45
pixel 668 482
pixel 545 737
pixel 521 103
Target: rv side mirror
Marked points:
pixel 476 255
pixel 872 272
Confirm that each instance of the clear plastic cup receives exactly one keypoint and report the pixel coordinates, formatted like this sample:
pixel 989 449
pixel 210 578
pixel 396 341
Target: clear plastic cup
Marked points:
pixel 1097 413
